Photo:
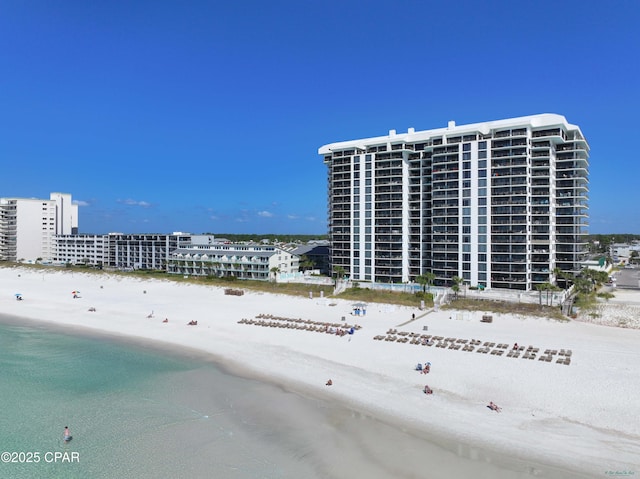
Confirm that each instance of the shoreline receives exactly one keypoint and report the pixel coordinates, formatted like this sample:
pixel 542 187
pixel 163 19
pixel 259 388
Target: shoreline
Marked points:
pixel 471 455
pixel 373 377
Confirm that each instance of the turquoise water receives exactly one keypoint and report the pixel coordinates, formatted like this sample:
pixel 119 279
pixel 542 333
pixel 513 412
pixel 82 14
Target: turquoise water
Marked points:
pixel 136 411
pixel 133 412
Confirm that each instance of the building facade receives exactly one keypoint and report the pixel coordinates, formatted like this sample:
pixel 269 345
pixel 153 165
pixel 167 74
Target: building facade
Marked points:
pixel 144 251
pixel 28 226
pixel 500 204
pixel 256 262
pixel 90 250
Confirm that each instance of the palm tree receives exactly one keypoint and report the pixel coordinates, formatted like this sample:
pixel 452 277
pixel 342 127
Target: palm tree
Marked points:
pixel 339 272
pixel 306 263
pixel 457 281
pixel 274 273
pixel 426 280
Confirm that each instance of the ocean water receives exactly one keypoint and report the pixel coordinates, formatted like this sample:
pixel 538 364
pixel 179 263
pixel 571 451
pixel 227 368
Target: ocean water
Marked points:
pixel 137 411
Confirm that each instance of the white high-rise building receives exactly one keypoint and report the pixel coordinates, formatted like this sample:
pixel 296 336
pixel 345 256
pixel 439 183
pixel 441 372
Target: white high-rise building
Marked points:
pixel 28 226
pixel 500 204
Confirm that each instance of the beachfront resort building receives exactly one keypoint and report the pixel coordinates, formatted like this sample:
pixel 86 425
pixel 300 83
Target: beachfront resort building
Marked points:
pixel 28 226
pixel 126 252
pixel 242 261
pixel 144 251
pixel 499 204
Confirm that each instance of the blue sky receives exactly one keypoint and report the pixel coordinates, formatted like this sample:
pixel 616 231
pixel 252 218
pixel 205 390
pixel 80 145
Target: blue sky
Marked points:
pixel 206 116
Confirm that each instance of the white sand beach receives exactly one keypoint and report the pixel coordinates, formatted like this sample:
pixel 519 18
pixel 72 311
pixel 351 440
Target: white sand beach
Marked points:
pixel 582 416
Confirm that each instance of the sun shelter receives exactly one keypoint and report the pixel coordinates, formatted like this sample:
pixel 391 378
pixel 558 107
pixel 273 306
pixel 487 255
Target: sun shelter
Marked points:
pixel 359 309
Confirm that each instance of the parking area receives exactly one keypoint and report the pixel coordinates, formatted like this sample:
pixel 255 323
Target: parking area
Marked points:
pixel 628 278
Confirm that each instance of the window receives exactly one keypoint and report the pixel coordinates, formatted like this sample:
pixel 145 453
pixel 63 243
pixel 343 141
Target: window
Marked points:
pixel 482 183
pixel 466 147
pixel 482 201
pixel 482 210
pixel 482 257
pixel 482 145
pixel 482 220
pixel 466 156
pixel 482 154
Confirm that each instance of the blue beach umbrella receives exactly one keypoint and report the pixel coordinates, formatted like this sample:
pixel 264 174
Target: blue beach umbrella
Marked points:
pixel 18 294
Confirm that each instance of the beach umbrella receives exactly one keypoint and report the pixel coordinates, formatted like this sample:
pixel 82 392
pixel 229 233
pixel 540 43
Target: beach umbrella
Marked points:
pixel 18 294
pixel 75 292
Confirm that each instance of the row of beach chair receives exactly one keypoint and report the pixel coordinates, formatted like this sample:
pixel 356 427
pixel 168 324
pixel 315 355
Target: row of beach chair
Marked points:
pixel 469 345
pixel 339 329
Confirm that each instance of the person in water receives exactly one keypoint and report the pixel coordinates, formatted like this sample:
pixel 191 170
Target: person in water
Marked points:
pixel 67 433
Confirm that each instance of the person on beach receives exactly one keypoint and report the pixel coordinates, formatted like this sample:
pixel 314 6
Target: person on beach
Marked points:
pixel 166 320
pixel 494 407
pixel 67 434
pixel 427 389
pixel 515 347
pixel 426 369
pixel 329 382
